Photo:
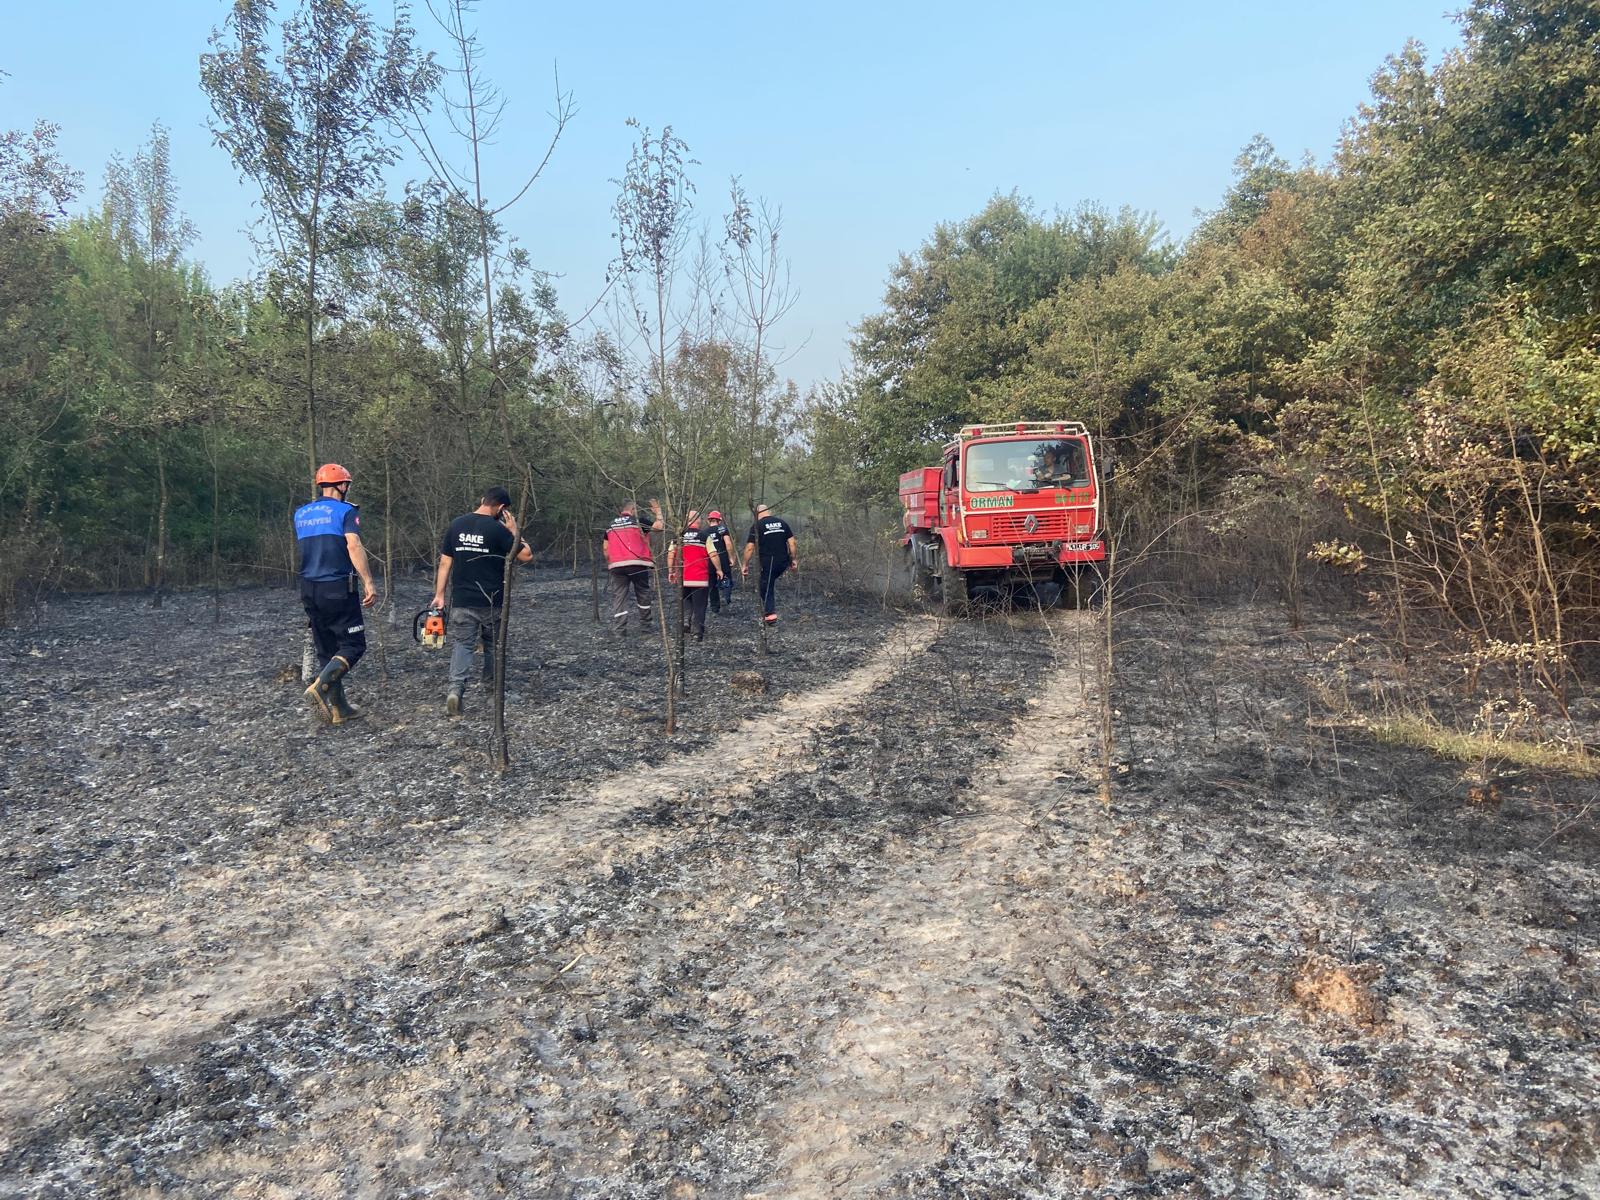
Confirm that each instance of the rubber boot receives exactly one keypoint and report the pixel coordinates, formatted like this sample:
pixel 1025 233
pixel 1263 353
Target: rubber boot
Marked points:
pixel 319 694
pixel 453 703
pixel 343 710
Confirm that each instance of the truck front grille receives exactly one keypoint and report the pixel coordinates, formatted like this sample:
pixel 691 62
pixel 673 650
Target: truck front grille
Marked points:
pixel 1049 525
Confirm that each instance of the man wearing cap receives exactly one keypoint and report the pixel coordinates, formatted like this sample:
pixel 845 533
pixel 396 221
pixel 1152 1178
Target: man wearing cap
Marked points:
pixel 720 543
pixel 328 532
pixel 775 540
pixel 472 561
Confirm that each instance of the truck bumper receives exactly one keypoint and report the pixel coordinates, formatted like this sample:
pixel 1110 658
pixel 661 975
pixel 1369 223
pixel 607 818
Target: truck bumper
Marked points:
pixel 993 558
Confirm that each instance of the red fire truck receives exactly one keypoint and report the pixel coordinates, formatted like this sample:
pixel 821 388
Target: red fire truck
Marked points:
pixel 1013 510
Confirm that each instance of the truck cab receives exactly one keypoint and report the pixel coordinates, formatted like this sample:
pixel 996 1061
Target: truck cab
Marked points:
pixel 1010 508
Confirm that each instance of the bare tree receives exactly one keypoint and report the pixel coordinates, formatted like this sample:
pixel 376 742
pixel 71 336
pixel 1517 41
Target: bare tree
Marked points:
pixel 759 282
pixel 473 111
pixel 762 294
pixel 653 210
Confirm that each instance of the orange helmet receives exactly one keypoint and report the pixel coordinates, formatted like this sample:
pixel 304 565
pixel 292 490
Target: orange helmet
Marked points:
pixel 330 473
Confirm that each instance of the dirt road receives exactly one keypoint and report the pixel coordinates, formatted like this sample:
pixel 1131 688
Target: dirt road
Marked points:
pixel 870 933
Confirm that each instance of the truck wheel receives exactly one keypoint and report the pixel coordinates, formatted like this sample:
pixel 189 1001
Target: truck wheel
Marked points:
pixel 1067 589
pixel 922 581
pixel 952 590
pixel 1040 593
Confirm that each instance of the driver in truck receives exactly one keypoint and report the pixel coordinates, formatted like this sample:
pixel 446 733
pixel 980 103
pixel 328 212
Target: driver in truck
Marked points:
pixel 1058 466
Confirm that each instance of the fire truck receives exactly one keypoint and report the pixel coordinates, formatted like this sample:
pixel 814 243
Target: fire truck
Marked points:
pixel 1012 512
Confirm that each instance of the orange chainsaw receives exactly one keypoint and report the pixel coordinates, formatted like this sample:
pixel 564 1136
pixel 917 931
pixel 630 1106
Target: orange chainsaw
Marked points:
pixel 427 628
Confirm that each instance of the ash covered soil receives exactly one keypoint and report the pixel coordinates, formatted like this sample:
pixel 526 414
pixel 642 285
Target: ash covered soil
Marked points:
pixel 872 932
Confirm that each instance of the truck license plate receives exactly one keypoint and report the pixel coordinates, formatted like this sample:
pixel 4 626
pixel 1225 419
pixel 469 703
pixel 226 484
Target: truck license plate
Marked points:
pixel 1081 546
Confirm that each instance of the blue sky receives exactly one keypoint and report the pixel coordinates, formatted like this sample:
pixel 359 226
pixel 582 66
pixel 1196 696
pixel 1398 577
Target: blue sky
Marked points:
pixel 868 123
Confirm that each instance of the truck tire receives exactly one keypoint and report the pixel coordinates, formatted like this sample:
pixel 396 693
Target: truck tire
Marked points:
pixel 924 582
pixel 1067 595
pixel 1039 593
pixel 952 590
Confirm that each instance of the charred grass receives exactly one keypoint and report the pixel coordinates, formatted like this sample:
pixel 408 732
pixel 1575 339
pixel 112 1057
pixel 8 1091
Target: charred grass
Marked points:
pixel 1288 959
pixel 1323 964
pixel 606 1037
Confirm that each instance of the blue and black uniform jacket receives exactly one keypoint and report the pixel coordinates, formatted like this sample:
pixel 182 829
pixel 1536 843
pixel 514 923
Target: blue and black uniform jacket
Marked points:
pixel 320 527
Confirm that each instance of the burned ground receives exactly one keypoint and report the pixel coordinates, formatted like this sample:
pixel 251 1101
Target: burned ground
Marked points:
pixel 1320 966
pixel 871 932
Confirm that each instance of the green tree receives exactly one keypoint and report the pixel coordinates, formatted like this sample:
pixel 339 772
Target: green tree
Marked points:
pixel 953 320
pixel 35 188
pixel 307 122
pixel 151 234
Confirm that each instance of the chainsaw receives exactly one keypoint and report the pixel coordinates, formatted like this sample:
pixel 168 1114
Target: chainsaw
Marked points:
pixel 427 628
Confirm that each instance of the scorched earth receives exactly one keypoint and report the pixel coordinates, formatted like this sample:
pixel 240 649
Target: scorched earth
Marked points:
pixel 870 931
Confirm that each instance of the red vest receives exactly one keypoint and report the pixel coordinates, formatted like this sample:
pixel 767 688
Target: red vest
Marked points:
pixel 627 544
pixel 696 559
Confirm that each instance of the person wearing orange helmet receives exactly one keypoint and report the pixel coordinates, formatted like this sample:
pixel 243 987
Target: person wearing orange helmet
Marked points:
pixel 328 531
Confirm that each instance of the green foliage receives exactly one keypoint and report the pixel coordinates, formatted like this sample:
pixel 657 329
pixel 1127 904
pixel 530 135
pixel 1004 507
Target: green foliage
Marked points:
pixel 306 120
pixel 1394 357
pixel 959 318
pixel 1411 332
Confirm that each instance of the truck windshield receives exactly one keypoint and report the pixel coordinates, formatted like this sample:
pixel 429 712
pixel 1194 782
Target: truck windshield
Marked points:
pixel 1026 466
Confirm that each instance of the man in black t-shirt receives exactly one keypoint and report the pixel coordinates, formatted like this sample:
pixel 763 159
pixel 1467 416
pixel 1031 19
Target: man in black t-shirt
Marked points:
pixel 472 560
pixel 775 540
pixel 720 539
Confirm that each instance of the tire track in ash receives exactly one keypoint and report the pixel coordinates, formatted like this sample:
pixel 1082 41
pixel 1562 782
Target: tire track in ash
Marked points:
pixel 299 934
pixel 664 1054
pixel 930 976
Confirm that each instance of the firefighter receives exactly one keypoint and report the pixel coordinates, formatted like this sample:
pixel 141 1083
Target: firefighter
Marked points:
pixel 773 537
pixel 720 540
pixel 629 563
pixel 702 573
pixel 328 531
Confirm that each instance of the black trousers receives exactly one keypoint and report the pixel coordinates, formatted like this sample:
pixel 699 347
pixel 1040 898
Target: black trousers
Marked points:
pixel 694 609
pixel 338 626
pixel 719 594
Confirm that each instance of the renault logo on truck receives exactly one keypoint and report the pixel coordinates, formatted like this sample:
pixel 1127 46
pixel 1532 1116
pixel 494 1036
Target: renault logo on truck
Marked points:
pixel 1030 522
